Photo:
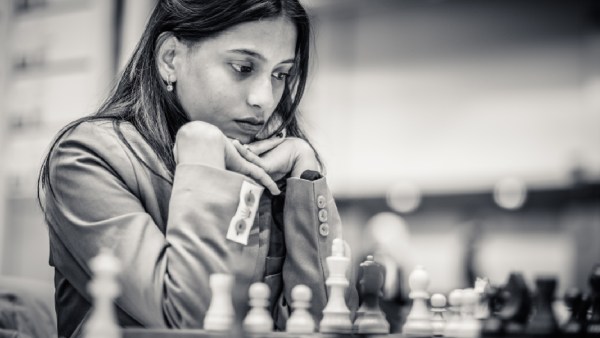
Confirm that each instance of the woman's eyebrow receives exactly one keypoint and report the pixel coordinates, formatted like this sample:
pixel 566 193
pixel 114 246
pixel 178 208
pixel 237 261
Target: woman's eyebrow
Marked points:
pixel 257 55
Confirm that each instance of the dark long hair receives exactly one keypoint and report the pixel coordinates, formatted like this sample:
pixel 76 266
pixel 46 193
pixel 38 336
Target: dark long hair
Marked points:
pixel 140 97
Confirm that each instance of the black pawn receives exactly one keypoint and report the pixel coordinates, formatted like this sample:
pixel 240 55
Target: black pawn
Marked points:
pixel 593 326
pixel 370 319
pixel 543 320
pixel 578 305
pixel 516 304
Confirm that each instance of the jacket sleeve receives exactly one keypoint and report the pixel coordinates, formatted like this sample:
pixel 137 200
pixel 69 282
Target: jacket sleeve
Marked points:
pixel 95 204
pixel 311 222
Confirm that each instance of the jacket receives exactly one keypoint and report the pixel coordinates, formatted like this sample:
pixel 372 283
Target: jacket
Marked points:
pixel 169 233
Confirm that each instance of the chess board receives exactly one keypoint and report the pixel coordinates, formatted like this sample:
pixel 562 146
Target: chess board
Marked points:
pixel 511 310
pixel 166 333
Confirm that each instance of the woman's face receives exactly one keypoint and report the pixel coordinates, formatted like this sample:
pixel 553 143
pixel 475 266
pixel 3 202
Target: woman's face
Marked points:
pixel 236 79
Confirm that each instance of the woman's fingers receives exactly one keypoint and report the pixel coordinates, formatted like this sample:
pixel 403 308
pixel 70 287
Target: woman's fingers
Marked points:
pixel 235 162
pixel 252 170
pixel 262 146
pixel 248 154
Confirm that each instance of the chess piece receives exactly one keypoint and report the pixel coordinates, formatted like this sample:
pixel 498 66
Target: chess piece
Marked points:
pixel 418 323
pixel 578 305
pixel 492 325
pixel 104 288
pixel 336 315
pixel 543 320
pixel 220 315
pixel 371 319
pixel 482 310
pixel 516 306
pixel 470 327
pixel 438 307
pixel 301 321
pixel 454 320
pixel 258 319
pixel 593 325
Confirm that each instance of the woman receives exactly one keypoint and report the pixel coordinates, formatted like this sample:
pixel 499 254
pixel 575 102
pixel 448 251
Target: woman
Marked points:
pixel 171 172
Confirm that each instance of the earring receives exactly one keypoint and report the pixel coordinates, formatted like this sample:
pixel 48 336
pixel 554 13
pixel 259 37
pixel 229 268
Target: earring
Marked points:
pixel 169 83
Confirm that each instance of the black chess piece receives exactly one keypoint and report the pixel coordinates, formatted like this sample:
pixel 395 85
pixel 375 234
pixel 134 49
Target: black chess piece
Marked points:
pixel 492 326
pixel 593 325
pixel 370 319
pixel 543 321
pixel 578 304
pixel 516 304
pixel 394 301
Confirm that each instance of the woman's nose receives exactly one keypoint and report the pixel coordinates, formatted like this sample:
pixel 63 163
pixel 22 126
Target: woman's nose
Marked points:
pixel 260 94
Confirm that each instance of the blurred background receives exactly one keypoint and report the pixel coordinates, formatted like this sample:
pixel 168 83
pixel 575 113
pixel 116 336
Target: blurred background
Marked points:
pixel 462 135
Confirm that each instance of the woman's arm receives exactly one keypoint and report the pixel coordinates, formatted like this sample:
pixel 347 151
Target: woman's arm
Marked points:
pixel 311 222
pixel 97 204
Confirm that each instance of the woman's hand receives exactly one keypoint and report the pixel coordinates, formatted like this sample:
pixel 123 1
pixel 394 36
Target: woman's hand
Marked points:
pixel 199 142
pixel 291 156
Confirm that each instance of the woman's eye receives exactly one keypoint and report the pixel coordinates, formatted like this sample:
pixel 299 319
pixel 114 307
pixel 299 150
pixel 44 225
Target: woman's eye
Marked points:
pixel 281 76
pixel 241 68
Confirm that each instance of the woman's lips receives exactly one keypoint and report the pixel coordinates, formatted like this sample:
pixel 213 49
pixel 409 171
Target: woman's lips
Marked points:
pixel 249 127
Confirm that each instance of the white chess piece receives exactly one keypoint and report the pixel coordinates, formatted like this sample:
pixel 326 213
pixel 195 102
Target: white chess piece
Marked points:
pixel 482 310
pixel 470 327
pixel 453 323
pixel 220 314
pixel 258 319
pixel 336 315
pixel 301 321
pixel 438 307
pixel 104 289
pixel 418 321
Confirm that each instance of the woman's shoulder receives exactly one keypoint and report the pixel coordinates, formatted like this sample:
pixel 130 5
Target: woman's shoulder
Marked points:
pixel 99 129
pixel 104 138
pixel 104 132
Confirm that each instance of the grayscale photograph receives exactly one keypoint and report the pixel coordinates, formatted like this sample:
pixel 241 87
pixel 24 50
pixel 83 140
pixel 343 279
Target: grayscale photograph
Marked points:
pixel 299 168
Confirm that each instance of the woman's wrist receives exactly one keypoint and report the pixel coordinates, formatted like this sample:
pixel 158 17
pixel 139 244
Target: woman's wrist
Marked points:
pixel 307 162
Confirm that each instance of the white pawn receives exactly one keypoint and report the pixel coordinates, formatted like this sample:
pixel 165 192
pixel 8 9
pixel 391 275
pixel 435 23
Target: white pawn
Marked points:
pixel 438 307
pixel 453 323
pixel 220 314
pixel 418 322
pixel 336 315
pixel 470 326
pixel 258 319
pixel 301 321
pixel 104 289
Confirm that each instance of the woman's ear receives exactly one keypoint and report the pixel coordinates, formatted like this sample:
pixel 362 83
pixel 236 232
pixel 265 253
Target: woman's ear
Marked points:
pixel 168 47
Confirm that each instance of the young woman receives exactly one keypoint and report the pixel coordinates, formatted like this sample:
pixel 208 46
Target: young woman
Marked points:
pixel 194 165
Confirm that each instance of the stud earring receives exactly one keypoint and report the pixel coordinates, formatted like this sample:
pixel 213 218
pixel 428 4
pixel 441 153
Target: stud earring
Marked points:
pixel 169 83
